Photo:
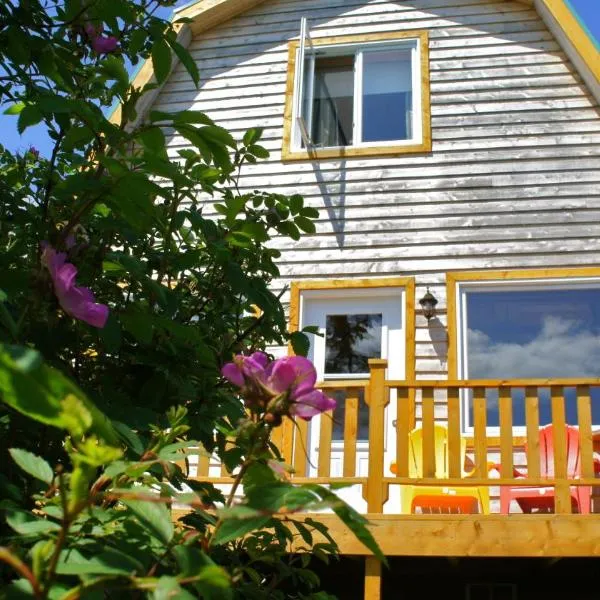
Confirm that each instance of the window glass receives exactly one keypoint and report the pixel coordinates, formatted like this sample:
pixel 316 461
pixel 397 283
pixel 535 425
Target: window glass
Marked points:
pixel 333 101
pixel 543 333
pixel 350 340
pixel 387 95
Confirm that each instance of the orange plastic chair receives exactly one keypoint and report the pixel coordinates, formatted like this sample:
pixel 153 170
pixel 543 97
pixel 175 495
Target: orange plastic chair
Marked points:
pixel 437 498
pixel 541 497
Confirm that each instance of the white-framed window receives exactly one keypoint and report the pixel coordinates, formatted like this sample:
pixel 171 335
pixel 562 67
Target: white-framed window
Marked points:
pixel 353 95
pixel 529 329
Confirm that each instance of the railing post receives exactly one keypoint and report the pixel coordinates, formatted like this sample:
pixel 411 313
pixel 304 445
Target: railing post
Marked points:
pixel 377 398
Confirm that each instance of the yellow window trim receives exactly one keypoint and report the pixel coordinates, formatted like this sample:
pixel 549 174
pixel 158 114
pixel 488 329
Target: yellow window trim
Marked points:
pixel 348 151
pixel 408 283
pixel 454 279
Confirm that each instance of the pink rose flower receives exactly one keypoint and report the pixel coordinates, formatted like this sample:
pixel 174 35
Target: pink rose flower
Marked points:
pixel 79 302
pixel 100 43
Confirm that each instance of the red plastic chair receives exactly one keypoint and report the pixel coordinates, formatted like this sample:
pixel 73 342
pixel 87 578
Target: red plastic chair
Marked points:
pixel 541 497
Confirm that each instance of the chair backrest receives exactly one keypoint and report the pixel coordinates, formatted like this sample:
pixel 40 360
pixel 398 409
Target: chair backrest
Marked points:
pixel 547 451
pixel 415 443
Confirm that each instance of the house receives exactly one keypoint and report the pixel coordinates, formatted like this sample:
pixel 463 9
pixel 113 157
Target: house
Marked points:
pixel 452 147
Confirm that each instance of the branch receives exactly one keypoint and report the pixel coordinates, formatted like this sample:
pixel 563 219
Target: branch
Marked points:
pixel 18 565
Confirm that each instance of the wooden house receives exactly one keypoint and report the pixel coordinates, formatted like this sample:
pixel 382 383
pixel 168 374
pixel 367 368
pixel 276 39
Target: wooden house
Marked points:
pixel 452 147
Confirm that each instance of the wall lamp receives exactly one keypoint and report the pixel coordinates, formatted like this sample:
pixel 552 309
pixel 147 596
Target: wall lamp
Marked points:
pixel 428 303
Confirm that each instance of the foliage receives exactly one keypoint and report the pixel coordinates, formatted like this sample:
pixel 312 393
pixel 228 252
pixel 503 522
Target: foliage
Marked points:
pixel 95 417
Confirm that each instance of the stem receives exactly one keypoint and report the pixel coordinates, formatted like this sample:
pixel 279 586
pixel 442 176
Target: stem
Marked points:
pixel 18 565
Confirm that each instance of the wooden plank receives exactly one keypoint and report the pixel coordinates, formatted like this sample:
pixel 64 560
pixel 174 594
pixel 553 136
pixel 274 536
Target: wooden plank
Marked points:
pixel 325 435
pixel 532 422
pixel 203 464
pixel 506 424
pixel 372 579
pixel 300 448
pixel 428 424
pixel 350 432
pixel 472 535
pixel 584 420
pixel 498 383
pixel 562 496
pixel 480 429
pixel 377 398
pixel 403 429
pixel 455 466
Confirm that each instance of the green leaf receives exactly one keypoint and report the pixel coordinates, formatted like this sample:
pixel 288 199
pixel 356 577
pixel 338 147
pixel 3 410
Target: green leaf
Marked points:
pixel 217 134
pixel 153 139
pixel 113 67
pixel 108 562
pixel 15 109
pixel 252 135
pixel 304 533
pixel 46 395
pixel 153 515
pixel 233 528
pixel 34 465
pixel 192 116
pixel 29 116
pixel 27 524
pixel 311 213
pixel 300 343
pixel 139 326
pixel 305 224
pixel 296 204
pixel 258 151
pixel 188 62
pixel 161 60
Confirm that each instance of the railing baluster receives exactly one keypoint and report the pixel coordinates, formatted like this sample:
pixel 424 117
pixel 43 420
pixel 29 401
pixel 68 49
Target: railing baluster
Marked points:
pixel 203 463
pixel 584 418
pixel 350 432
pixel 532 421
pixel 428 418
pixel 506 435
pixel 454 453
pixel 325 435
pixel 480 434
pixel 377 398
pixel 562 494
pixel 403 429
pixel 300 448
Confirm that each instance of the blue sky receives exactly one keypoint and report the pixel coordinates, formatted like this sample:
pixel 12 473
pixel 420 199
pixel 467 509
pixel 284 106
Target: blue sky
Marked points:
pixel 587 10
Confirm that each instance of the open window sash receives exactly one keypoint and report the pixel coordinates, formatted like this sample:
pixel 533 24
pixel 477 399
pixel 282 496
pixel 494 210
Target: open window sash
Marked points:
pixel 303 80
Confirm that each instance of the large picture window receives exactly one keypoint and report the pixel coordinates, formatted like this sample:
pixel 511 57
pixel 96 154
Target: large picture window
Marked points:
pixel 349 96
pixel 544 329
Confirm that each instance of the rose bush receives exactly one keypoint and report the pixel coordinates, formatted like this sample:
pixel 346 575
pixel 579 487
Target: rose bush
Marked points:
pixel 121 300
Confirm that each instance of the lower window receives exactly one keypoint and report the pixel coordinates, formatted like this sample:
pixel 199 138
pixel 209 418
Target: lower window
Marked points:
pixel 529 329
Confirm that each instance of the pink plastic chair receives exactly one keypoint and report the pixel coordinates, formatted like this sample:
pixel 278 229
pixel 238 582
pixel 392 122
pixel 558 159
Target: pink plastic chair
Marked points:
pixel 541 497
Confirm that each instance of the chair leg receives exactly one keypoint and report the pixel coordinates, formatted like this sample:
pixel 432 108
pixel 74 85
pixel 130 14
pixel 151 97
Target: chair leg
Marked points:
pixel 505 498
pixel 584 500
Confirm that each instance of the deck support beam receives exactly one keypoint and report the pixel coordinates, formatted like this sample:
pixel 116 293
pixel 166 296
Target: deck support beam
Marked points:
pixel 372 578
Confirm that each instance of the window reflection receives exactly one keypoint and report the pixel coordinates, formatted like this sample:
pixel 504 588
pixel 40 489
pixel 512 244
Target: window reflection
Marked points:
pixel 543 333
pixel 350 340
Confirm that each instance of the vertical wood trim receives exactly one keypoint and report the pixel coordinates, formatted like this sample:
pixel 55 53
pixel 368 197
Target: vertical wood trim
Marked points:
pixel 403 429
pixel 428 420
pixel 425 91
pixel 584 419
pixel 324 467
pixel 562 495
pixel 350 432
pixel 300 448
pixel 506 440
pixel 287 440
pixel 480 434
pixel 377 398
pixel 455 466
pixel 532 421
pixel 372 578
pixel 203 463
pixel 451 316
pixel 410 327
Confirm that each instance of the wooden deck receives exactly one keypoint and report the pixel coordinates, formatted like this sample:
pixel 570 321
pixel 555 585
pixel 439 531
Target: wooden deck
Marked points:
pixel 554 534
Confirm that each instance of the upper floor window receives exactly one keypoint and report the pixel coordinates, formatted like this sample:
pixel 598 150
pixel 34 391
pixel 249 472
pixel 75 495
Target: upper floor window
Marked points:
pixel 358 95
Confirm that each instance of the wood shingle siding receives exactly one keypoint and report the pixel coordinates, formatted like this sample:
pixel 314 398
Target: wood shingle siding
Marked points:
pixel 513 180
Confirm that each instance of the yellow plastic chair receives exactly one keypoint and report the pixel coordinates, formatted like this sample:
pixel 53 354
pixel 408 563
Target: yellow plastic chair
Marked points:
pixel 437 498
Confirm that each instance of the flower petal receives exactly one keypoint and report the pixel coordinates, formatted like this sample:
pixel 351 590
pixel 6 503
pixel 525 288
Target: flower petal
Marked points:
pixel 306 375
pixel 311 404
pixel 260 358
pixel 282 376
pixel 232 373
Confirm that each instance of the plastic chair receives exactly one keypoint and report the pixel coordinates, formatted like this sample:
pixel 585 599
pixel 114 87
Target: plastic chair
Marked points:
pixel 542 497
pixel 437 498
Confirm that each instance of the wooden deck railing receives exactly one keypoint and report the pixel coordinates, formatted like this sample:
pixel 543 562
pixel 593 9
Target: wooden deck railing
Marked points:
pixel 483 448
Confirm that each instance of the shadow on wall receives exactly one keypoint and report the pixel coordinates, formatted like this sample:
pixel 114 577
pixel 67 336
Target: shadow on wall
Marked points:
pixel 243 68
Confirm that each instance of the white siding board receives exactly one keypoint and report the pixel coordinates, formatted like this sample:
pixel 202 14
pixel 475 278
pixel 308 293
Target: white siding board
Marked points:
pixel 513 180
